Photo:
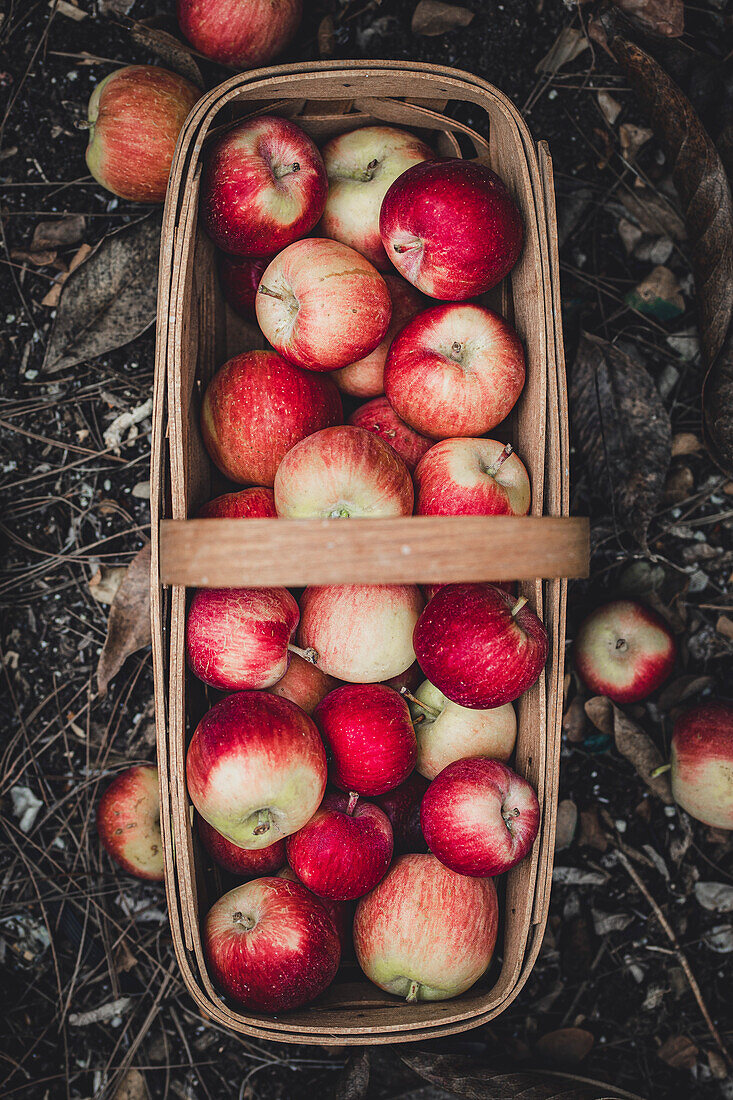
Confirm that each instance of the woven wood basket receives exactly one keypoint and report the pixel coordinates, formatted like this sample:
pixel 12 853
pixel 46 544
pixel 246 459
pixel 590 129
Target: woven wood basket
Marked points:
pixel 196 334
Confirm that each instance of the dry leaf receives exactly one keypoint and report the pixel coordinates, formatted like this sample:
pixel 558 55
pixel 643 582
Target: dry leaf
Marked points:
pixel 683 688
pixel 124 960
pixel 654 214
pixel 717 897
pixel 100 1015
pixel 591 831
pixel 720 939
pixel 54 295
pixel 41 258
pixel 576 876
pixel 685 443
pixel 610 107
pixel 679 485
pixel 600 713
pixel 718 1064
pixel 632 138
pixel 105 581
pixel 603 923
pixel 326 37
pixel 573 722
pixel 131 1087
pixel 71 11
pixel 567 821
pixel 567 1046
pixel 431 17
pixel 639 749
pixel 568 45
pixel 630 235
pixel 353 1080
pixel 176 54
pixel 658 295
pixel 128 627
pixel 665 17
pixel 59 234
pixel 679 1052
pixel 724 626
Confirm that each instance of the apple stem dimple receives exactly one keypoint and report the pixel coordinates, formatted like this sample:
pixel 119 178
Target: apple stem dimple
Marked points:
pixel 519 605
pixel 413 992
pixel 622 645
pixel 368 174
pixel 309 654
pixel 400 248
pixel 493 470
pixel 247 922
pixel 418 703
pixel 263 823
pixel 285 170
pixel 353 799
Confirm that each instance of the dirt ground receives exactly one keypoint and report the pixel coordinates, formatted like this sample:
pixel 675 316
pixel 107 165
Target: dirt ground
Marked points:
pixel 610 998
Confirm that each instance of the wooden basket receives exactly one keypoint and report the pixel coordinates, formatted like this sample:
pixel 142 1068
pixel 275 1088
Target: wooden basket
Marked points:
pixel 196 334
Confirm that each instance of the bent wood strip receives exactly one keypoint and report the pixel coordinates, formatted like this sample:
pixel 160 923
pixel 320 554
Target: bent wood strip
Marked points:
pixel 236 553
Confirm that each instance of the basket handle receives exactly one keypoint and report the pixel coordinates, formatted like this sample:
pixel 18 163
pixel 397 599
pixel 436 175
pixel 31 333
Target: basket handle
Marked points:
pixel 234 553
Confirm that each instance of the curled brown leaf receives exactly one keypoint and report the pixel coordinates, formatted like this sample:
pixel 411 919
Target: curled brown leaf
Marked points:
pixel 128 626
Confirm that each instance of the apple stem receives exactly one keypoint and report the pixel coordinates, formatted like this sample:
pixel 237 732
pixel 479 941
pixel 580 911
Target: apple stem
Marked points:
pixel 418 703
pixel 263 823
pixel 353 799
pixel 621 644
pixel 493 470
pixel 400 248
pixel 519 605
pixel 509 816
pixel 285 170
pixel 309 654
pixel 83 124
pixel 368 174
pixel 271 293
pixel 661 770
pixel 413 992
pixel 247 923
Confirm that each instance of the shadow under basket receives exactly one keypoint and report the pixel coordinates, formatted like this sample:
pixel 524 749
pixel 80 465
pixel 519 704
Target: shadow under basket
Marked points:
pixel 196 334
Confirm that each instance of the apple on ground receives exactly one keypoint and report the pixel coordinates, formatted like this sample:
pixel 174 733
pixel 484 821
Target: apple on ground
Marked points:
pixel 263 186
pixel 451 228
pixel 471 477
pixel 270 945
pixel 340 912
pixel 365 378
pixel 479 817
pixel 624 650
pixel 135 116
pixel 128 822
pixel 446 731
pixel 425 933
pixel 454 370
pixel 322 305
pixel 256 768
pixel 255 503
pixel 379 417
pixel 480 646
pixel 303 684
pixel 702 763
pixel 241 861
pixel 239 279
pixel 361 633
pixel 402 807
pixel 256 407
pixel 361 165
pixel 239 638
pixel 340 473
pixel 344 850
pixel 369 738
pixel 239 33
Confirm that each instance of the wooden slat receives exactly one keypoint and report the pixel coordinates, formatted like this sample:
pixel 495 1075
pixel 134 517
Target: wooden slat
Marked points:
pixel 239 553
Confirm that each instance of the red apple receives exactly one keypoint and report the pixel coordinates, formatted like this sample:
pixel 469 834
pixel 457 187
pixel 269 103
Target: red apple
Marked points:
pixel 365 378
pixel 368 736
pixel 340 912
pixel 240 33
pixel 128 822
pixel 471 477
pixel 344 850
pixel 322 305
pixel 258 406
pixel 402 807
pixel 479 817
pixel 270 945
pixel 446 731
pixel 135 116
pixel 303 684
pixel 624 650
pixel 342 472
pixel 241 861
pixel 480 646
pixel 256 768
pixel 360 632
pixel 702 763
pixel 425 933
pixel 454 370
pixel 379 417
pixel 429 591
pixel 238 638
pixel 451 228
pixel 263 186
pixel 239 279
pixel 255 503
pixel 361 165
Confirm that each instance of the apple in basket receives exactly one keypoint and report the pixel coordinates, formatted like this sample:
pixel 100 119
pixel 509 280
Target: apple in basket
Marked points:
pixel 322 305
pixel 361 633
pixel 479 817
pixel 446 731
pixel 425 933
pixel 344 850
pixel 263 186
pixel 303 684
pixel 480 646
pixel 244 862
pixel 340 912
pixel 239 638
pixel 135 116
pixel 361 165
pixel 239 33
pixel 454 370
pixel 624 650
pixel 379 417
pixel 365 378
pixel 256 407
pixel 342 472
pixel 128 822
pixel 256 768
pixel 239 279
pixel 471 477
pixel 255 503
pixel 402 807
pixel 369 737
pixel 451 228
pixel 702 763
pixel 270 945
